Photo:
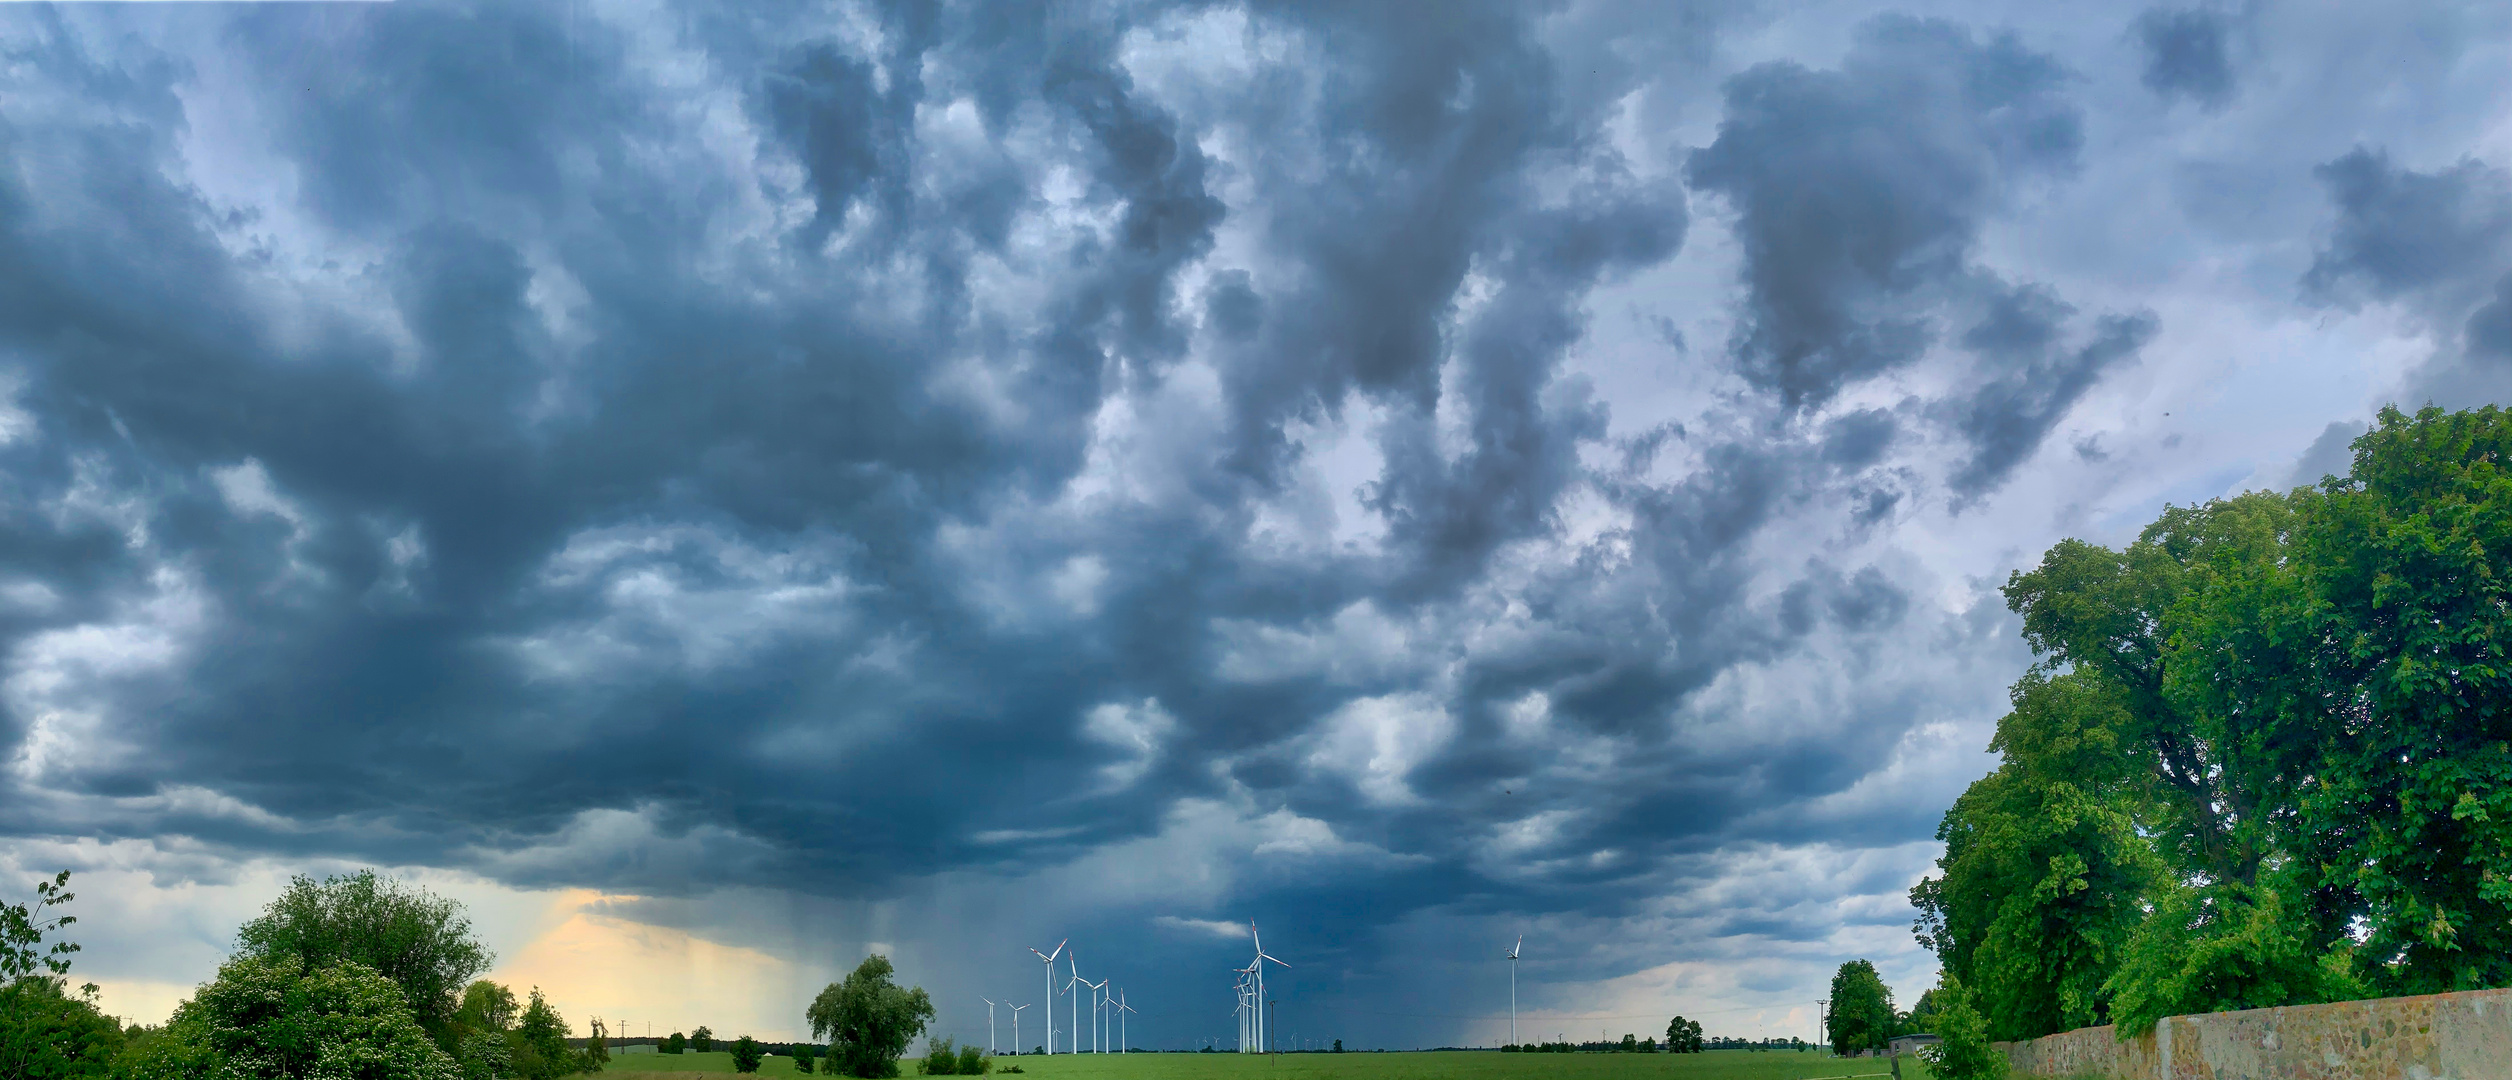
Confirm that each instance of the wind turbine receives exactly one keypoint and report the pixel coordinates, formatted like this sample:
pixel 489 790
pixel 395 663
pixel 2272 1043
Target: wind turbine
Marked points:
pixel 1016 1029
pixel 989 1023
pixel 1050 959
pixel 1098 1018
pixel 1513 989
pixel 1258 966
pixel 1122 1045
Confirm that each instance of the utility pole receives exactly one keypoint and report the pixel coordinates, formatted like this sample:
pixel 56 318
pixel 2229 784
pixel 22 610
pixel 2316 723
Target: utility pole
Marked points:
pixel 1269 1018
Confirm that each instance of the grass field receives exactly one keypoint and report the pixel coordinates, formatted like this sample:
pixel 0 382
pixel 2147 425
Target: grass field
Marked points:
pixel 1461 1065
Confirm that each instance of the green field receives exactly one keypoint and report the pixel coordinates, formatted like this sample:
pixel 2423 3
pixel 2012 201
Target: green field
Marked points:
pixel 1464 1065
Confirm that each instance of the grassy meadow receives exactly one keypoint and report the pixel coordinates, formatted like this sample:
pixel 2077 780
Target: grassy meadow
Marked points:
pixel 1438 1065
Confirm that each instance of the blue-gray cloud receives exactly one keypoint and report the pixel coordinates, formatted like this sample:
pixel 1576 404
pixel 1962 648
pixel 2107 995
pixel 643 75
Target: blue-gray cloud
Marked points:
pixel 920 450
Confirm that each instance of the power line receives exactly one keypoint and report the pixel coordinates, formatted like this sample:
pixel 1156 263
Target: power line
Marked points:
pixel 1633 1016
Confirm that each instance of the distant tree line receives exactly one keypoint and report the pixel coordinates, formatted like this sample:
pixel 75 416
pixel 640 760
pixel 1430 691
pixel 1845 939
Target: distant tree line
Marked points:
pixel 2265 757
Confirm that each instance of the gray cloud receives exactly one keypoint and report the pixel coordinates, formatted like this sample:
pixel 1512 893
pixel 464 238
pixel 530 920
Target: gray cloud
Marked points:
pixel 2439 244
pixel 2187 55
pixel 941 475
pixel 1860 192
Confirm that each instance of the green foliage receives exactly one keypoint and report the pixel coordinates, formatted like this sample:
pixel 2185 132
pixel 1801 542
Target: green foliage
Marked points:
pixel 23 928
pixel 47 1032
pixel 702 1040
pixel 2226 947
pixel 539 1044
pixel 1965 1053
pixel 746 1054
pixel 941 1058
pixel 419 940
pixel 1683 1036
pixel 2044 868
pixel 280 1017
pixel 973 1062
pixel 2266 756
pixel 804 1055
pixel 1338 1046
pixel 677 1044
pixel 1860 1016
pixel 868 1020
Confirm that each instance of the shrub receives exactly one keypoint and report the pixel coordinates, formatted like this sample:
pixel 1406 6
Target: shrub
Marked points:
pixel 1965 1054
pixel 702 1040
pixel 941 1059
pixel 974 1063
pixel 746 1054
pixel 677 1044
pixel 803 1055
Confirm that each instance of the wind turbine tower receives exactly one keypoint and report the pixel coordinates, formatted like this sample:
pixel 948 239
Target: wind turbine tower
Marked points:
pixel 990 1048
pixel 1016 1029
pixel 1513 989
pixel 1258 967
pixel 1050 959
pixel 1122 1045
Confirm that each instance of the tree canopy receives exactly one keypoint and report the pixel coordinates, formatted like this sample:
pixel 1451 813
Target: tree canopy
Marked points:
pixel 868 1019
pixel 2264 757
pixel 281 1017
pixel 419 940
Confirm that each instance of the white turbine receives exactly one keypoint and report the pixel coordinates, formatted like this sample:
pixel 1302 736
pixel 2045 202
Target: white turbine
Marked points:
pixel 1513 989
pixel 1257 966
pixel 1122 1045
pixel 989 1023
pixel 1050 959
pixel 1016 1029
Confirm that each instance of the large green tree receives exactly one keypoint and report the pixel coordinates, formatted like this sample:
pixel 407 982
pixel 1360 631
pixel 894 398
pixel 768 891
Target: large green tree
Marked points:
pixel 2044 867
pixel 281 1017
pixel 1860 1015
pixel 419 940
pixel 869 1020
pixel 2265 756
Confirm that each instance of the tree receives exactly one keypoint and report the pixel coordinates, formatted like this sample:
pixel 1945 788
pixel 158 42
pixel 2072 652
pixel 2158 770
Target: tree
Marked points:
pixel 2044 871
pixel 1964 1052
pixel 1683 1036
pixel 868 1020
pixel 974 1063
pixel 702 1040
pixel 804 1053
pixel 282 1017
pixel 539 1044
pixel 1861 1012
pixel 677 1044
pixel 45 1031
pixel 419 940
pixel 1338 1046
pixel 746 1054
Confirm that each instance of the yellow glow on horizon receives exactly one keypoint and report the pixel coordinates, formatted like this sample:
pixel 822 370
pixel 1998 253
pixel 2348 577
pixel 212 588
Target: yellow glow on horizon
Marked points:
pixel 631 974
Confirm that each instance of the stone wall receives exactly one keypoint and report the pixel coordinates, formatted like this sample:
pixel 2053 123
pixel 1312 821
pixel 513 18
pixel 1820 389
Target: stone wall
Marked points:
pixel 2466 1036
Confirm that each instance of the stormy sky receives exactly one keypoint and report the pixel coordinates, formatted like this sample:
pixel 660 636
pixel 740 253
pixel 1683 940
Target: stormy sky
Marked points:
pixel 726 488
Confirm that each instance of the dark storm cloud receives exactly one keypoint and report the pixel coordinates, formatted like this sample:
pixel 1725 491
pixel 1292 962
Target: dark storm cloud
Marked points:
pixel 2036 378
pixel 2402 232
pixel 2186 55
pixel 2437 243
pixel 1861 195
pixel 1861 192
pixel 864 459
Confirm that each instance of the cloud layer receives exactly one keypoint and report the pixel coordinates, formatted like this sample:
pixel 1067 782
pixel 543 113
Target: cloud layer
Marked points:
pixel 943 478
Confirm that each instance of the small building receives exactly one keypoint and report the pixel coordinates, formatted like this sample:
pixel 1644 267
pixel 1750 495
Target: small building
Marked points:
pixel 1910 1044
